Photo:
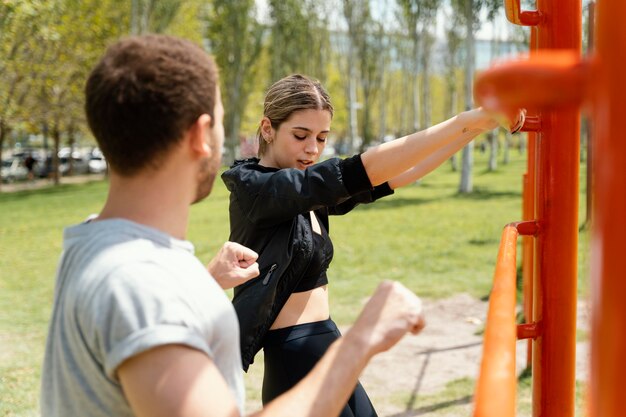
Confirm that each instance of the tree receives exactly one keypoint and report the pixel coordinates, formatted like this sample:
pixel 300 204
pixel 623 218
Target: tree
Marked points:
pixel 418 16
pixel 20 22
pixel 356 13
pixel 234 38
pixel 152 15
pixel 371 49
pixel 469 12
pixel 72 38
pixel 451 64
pixel 298 39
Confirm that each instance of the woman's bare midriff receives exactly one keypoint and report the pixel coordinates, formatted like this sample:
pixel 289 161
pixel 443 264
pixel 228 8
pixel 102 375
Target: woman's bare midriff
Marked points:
pixel 304 307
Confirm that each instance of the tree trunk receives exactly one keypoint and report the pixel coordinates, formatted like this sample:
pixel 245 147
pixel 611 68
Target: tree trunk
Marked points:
pixel 352 116
pixel 232 137
pixel 467 160
pixel 44 132
pixel 365 124
pixel 72 143
pixel 405 109
pixel 134 17
pixel 493 150
pixel 425 59
pixel 3 132
pixel 465 185
pixel 232 117
pixel 56 136
pixel 383 109
pixel 507 147
pixel 416 87
pixel 451 107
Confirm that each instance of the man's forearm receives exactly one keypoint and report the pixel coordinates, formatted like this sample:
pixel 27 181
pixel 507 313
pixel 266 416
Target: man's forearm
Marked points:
pixel 326 389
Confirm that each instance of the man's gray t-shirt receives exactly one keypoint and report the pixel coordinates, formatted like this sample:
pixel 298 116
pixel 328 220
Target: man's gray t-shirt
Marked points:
pixel 122 289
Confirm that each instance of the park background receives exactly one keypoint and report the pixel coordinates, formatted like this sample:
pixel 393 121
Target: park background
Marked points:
pixel 391 67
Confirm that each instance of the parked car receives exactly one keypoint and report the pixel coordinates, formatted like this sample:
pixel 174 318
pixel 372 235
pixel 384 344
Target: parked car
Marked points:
pixel 13 169
pixel 97 164
pixel 79 162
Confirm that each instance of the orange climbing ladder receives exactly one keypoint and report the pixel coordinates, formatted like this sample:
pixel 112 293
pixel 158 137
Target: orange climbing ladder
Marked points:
pixel 550 83
pixel 556 83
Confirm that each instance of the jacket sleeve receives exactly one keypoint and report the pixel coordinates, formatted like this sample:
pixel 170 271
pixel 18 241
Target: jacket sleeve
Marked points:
pixel 364 197
pixel 267 197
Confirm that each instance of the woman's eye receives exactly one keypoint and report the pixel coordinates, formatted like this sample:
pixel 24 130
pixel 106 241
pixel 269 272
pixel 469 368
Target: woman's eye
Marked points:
pixel 299 137
pixel 321 140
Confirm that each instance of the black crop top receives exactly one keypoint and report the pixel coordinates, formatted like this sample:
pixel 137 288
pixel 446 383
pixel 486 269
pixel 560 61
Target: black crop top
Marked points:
pixel 315 274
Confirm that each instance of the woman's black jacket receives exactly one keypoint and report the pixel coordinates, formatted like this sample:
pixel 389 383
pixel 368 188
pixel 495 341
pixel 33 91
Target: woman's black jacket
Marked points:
pixel 268 213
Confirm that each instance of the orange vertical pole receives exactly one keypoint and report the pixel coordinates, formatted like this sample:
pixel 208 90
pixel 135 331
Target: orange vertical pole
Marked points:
pixel 608 269
pixel 556 245
pixel 529 214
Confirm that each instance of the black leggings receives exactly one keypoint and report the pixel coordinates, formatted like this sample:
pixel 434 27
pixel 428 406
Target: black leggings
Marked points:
pixel 291 352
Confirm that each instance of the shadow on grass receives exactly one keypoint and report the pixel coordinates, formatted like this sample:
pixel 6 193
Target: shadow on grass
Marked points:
pixel 398 202
pixel 477 194
pixel 483 242
pixel 480 193
pixel 434 407
pixel 410 411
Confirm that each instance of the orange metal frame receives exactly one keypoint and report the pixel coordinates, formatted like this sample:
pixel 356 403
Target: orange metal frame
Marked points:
pixel 550 202
pixel 560 83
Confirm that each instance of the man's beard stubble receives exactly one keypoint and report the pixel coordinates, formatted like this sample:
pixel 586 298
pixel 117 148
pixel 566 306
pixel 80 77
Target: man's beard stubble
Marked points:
pixel 206 178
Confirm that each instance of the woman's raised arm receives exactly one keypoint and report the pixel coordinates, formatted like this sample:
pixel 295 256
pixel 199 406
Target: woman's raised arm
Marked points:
pixel 406 159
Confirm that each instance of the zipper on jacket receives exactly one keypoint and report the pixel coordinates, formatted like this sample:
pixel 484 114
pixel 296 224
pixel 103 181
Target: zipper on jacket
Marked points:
pixel 269 274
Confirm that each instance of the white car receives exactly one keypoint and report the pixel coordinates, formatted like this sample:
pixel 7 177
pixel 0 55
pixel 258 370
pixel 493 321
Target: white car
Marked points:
pixel 13 169
pixel 97 164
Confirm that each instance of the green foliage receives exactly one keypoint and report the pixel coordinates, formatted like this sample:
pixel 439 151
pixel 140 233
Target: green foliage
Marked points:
pixel 298 39
pixel 475 7
pixel 234 37
pixel 47 48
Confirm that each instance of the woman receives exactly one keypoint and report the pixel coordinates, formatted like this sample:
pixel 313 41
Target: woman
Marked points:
pixel 279 207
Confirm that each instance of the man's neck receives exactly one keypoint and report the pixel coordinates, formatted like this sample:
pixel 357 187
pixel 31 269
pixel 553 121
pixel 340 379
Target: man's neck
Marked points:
pixel 154 201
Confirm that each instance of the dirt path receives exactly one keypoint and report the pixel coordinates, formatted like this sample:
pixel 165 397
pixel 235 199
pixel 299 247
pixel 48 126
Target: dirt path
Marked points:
pixel 46 182
pixel 447 350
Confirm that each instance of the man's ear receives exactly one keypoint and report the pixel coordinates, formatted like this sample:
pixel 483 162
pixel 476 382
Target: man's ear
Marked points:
pixel 199 134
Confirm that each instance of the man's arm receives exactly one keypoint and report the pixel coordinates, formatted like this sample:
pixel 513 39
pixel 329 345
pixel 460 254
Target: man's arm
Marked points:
pixel 175 381
pixel 388 316
pixel 178 381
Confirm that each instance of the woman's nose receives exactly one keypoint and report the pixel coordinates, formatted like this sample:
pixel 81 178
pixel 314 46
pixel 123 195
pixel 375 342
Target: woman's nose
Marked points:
pixel 311 146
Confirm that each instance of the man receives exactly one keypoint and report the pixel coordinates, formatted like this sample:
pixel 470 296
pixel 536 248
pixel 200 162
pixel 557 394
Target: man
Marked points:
pixel 139 326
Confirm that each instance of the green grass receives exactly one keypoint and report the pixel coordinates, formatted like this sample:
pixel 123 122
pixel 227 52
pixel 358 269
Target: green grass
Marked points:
pixel 435 241
pixel 456 399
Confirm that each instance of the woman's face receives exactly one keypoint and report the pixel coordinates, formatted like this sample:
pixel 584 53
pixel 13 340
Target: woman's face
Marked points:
pixel 299 141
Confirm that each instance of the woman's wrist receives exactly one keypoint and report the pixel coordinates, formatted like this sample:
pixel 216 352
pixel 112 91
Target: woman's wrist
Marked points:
pixel 477 119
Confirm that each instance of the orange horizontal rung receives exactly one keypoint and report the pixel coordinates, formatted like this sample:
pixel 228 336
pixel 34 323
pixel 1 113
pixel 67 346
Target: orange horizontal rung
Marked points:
pixel 527 228
pixel 527 331
pixel 546 79
pixel 531 124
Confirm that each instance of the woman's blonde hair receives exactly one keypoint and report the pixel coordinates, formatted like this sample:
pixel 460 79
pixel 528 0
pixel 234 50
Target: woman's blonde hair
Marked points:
pixel 291 94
